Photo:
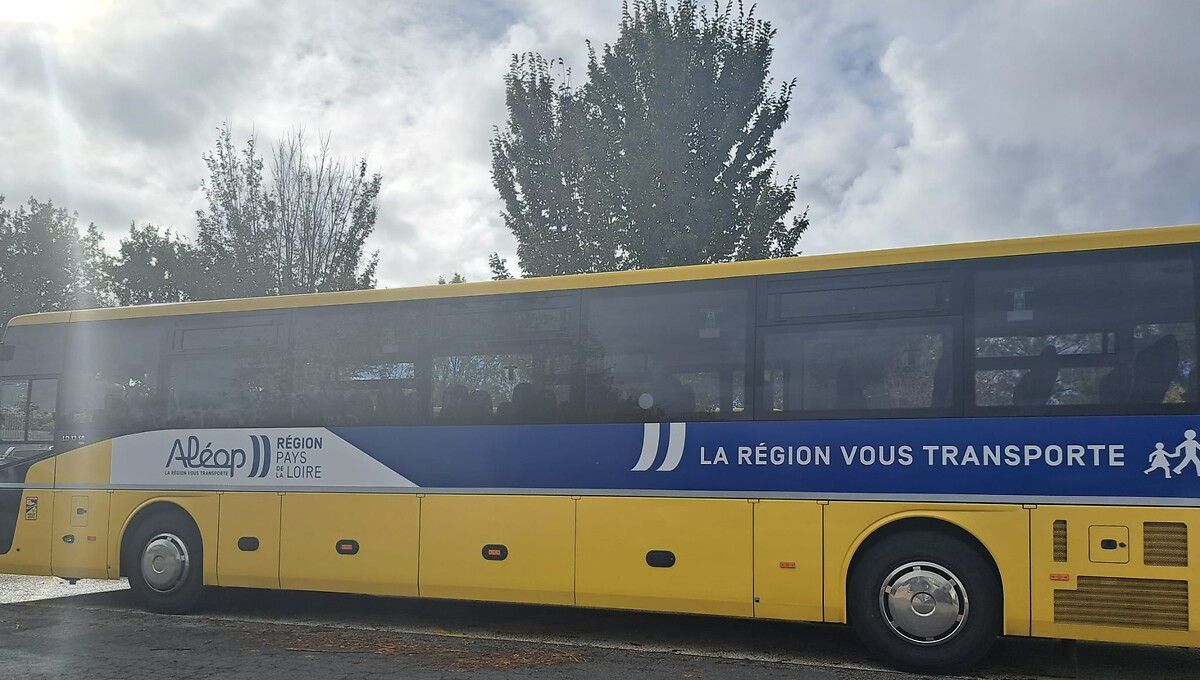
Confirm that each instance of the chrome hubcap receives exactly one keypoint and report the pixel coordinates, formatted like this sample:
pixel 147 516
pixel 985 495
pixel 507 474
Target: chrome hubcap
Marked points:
pixel 923 602
pixel 164 562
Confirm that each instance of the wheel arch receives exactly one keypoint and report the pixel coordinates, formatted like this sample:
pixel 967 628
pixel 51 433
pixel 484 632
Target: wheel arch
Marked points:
pixel 149 508
pixel 894 525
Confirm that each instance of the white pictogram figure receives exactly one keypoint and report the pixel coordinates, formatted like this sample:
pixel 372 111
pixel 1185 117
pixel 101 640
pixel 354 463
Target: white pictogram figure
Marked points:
pixel 1159 460
pixel 1190 450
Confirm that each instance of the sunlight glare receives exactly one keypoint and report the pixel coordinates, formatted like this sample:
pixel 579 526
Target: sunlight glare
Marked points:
pixel 54 13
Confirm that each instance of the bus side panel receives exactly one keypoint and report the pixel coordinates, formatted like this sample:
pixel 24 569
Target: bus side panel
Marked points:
pixel 380 533
pixel 80 534
pixel 787 560
pixel 703 550
pixel 202 506
pixel 33 513
pixel 1002 529
pixel 248 540
pixel 506 548
pixel 79 538
pixel 1116 574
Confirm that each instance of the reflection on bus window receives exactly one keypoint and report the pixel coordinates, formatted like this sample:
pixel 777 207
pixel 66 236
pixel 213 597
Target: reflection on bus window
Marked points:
pixel 1082 330
pixel 14 411
pixel 506 360
pixel 675 352
pixel 43 394
pixel 114 371
pixel 230 389
pixel 357 365
pixel 859 367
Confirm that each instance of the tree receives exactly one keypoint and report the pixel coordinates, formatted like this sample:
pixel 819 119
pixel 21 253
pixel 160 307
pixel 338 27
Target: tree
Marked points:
pixel 301 231
pixel 662 158
pixel 45 265
pixel 457 278
pixel 324 213
pixel 236 236
pixel 153 266
pixel 499 267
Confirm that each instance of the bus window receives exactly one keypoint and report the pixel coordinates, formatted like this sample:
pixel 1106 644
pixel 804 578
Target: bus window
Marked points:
pixel 358 365
pixel 36 350
pixel 113 378
pixel 505 360
pixel 858 367
pixel 43 393
pixel 1085 330
pixel 671 352
pixel 227 371
pixel 14 410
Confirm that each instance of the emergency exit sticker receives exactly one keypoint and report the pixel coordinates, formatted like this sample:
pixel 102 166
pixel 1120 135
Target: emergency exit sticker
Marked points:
pixel 31 503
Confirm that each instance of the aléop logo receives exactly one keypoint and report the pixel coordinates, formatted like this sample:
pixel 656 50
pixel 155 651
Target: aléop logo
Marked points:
pixel 187 456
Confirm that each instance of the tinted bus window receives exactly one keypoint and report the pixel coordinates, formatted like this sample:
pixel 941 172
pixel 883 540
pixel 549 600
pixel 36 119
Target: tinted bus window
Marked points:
pixel 114 374
pixel 216 378
pixel 358 365
pixel 14 412
pixel 907 297
pixel 43 394
pixel 36 350
pixel 858 367
pixel 1088 329
pixel 668 352
pixel 507 359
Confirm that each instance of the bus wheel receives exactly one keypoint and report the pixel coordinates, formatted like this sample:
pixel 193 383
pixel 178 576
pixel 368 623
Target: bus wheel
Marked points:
pixel 163 559
pixel 925 601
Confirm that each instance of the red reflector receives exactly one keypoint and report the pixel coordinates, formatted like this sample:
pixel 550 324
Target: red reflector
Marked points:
pixel 787 565
pixel 346 547
pixel 1060 577
pixel 493 553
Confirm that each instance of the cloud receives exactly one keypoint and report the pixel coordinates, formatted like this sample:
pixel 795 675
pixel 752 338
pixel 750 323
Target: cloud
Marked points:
pixel 955 122
pixel 1002 119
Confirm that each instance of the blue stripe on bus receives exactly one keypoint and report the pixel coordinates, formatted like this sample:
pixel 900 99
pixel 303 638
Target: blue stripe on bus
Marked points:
pixel 1067 456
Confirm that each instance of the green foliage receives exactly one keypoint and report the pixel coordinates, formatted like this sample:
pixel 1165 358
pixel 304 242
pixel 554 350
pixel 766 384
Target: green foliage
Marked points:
pixel 457 278
pixel 152 267
pixel 235 234
pixel 302 230
pixel 663 157
pixel 499 267
pixel 45 264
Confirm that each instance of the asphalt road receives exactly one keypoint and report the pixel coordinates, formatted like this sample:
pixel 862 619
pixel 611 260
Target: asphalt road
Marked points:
pixel 297 636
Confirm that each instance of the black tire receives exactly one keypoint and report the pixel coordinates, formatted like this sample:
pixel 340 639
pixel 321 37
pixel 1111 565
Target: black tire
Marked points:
pixel 974 592
pixel 173 528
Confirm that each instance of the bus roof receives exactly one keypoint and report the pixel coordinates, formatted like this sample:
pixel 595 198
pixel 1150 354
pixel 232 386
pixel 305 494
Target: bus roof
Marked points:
pixel 1104 240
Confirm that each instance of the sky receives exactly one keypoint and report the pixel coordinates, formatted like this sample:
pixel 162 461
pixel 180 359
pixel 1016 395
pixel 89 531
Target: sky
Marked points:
pixel 911 123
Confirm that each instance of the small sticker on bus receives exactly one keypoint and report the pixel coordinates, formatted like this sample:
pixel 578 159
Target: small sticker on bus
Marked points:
pixel 31 505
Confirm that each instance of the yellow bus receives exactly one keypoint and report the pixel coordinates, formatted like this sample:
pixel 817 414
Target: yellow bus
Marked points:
pixel 936 445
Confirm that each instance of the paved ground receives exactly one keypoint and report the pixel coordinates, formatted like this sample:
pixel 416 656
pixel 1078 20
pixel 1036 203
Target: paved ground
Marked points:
pixel 296 636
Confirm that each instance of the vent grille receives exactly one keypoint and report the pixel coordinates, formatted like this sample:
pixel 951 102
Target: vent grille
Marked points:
pixel 1124 602
pixel 1060 540
pixel 1166 544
